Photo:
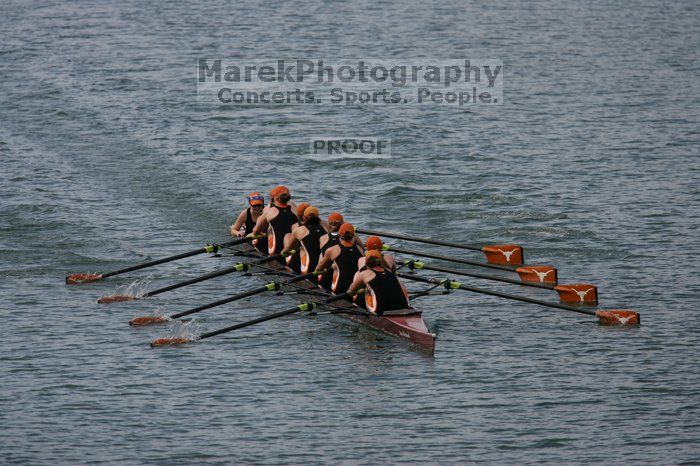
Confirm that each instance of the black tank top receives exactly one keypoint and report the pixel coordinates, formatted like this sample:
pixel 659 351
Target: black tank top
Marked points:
pixel 326 280
pixel 249 222
pixel 294 262
pixel 346 262
pixel 312 246
pixel 387 291
pixel 260 244
pixel 280 225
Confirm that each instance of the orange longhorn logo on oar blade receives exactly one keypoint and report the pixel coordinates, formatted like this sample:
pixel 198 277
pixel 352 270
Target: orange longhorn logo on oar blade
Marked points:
pixel 116 298
pixel 618 317
pixel 504 254
pixel 78 278
pixel 147 320
pixel 169 341
pixel 538 273
pixel 581 293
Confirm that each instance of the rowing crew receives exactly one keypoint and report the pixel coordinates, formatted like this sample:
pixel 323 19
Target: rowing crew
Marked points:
pixel 330 249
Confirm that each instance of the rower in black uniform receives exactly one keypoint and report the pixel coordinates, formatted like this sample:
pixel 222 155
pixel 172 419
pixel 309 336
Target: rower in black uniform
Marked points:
pixel 245 222
pixel 308 236
pixel 383 291
pixel 335 220
pixel 344 256
pixel 277 220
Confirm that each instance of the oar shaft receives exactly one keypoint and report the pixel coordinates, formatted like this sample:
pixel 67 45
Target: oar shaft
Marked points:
pixel 547 286
pixel 176 257
pixel 218 273
pixel 417 239
pixel 496 293
pixel 269 287
pixel 300 307
pixel 220 302
pixel 457 260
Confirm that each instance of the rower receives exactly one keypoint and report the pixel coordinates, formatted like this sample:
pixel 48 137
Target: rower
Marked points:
pixel 344 256
pixel 308 235
pixel 374 243
pixel 294 262
pixel 383 291
pixel 245 222
pixel 248 216
pixel 335 220
pixel 277 220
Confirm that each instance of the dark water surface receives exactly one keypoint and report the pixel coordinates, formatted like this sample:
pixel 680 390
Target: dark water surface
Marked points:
pixel 591 163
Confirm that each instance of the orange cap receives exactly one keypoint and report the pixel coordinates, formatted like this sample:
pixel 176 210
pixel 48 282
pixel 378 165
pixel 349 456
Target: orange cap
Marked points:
pixel 281 189
pixel 373 257
pixel 335 217
pixel 310 211
pixel 374 242
pixel 347 231
pixel 255 198
pixel 301 208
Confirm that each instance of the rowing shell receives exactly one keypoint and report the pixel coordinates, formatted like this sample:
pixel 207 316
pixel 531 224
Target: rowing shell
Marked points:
pixel 406 324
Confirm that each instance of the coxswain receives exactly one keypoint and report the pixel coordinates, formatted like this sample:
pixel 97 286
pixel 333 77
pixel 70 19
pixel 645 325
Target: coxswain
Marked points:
pixel 383 291
pixel 374 243
pixel 307 236
pixel 344 257
pixel 245 222
pixel 277 220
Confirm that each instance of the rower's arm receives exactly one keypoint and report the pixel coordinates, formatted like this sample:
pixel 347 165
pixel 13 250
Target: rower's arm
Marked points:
pixel 390 262
pixel 325 259
pixel 261 225
pixel 357 282
pixel 236 227
pixel 290 242
pixel 359 242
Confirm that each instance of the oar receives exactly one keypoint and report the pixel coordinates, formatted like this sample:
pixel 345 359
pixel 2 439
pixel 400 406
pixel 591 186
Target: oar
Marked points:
pixel 78 278
pixel 608 317
pixel 240 267
pixel 577 293
pixel 457 260
pixel 416 239
pixel 503 254
pixel 530 273
pixel 308 306
pixel 272 286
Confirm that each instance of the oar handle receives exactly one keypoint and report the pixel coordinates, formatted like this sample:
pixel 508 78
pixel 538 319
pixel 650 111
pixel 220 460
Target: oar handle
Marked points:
pixel 454 285
pixel 417 239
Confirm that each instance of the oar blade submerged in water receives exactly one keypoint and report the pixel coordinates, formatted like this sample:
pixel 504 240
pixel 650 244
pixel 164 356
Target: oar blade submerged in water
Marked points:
pixel 171 341
pixel 618 317
pixel 116 298
pixel 147 320
pixel 79 278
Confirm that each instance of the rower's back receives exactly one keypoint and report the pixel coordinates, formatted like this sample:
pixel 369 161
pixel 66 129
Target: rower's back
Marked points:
pixel 280 225
pixel 384 292
pixel 345 266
